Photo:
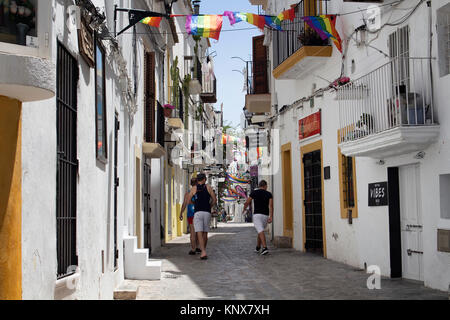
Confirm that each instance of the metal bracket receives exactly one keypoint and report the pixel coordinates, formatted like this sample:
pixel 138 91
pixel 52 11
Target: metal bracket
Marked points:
pixel 410 252
pixel 134 17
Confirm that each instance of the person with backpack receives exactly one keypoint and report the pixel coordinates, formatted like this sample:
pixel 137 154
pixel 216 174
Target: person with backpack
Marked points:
pixel 205 200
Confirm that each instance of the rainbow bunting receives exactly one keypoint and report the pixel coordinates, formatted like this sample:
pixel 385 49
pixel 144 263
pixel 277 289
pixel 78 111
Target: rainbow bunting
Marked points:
pixel 152 21
pixel 207 26
pixel 259 151
pixel 224 139
pixel 325 26
pixel 287 15
pixel 235 17
pixel 234 179
pixel 254 19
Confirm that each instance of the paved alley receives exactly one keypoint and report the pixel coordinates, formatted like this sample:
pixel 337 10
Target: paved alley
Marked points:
pixel 235 272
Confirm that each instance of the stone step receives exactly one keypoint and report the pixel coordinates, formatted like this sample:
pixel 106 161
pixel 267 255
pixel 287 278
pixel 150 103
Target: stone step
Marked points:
pixel 137 263
pixel 126 291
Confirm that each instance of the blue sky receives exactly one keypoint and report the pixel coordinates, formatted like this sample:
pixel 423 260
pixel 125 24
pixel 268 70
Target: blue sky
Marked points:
pixel 237 43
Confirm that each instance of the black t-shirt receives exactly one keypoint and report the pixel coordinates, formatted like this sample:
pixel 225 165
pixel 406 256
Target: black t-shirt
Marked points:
pixel 261 199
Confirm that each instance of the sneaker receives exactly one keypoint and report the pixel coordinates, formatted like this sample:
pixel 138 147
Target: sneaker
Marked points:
pixel 264 251
pixel 257 250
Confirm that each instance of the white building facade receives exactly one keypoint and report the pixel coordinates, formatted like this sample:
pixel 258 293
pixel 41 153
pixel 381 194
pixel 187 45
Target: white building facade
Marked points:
pixel 361 167
pixel 85 146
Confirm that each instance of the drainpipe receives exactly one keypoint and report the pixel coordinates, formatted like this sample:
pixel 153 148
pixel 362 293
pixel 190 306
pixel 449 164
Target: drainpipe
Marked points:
pixel 430 35
pixel 271 176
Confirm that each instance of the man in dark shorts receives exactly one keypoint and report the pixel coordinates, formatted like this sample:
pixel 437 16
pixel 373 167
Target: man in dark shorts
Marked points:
pixel 263 215
pixel 189 203
pixel 205 199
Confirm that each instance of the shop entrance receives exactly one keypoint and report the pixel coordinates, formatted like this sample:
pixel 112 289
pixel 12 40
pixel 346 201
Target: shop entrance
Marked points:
pixel 312 201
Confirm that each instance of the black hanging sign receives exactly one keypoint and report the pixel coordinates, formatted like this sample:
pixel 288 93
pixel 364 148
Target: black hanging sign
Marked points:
pixel 378 194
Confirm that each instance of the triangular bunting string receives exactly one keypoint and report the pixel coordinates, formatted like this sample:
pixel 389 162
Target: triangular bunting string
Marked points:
pixel 210 26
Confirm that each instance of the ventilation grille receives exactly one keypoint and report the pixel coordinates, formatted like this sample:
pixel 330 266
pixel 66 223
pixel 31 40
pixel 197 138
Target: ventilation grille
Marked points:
pixel 444 241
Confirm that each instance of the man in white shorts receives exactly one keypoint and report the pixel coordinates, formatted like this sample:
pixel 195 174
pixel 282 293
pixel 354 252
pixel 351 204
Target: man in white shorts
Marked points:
pixel 263 204
pixel 205 199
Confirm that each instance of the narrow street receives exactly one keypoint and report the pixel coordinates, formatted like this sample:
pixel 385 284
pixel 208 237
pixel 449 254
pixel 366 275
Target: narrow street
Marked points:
pixel 235 272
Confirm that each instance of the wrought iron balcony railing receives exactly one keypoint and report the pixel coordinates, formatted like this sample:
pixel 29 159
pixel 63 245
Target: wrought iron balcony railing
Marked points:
pixel 397 94
pixel 297 34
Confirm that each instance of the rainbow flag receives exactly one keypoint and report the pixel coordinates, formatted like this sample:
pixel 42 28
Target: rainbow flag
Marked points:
pixel 287 15
pixel 259 152
pixel 262 21
pixel 235 17
pixel 234 179
pixel 207 26
pixel 325 26
pixel 254 19
pixel 152 21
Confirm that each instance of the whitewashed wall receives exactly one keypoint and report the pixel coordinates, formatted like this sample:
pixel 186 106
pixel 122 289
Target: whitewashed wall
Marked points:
pixel 367 240
pixel 95 215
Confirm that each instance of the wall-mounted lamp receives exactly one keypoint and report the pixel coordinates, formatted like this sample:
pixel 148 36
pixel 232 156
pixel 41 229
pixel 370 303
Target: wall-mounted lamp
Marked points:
pixel 381 163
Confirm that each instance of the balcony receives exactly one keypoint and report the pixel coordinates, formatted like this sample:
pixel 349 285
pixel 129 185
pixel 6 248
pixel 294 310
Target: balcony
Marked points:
pixel 196 85
pixel 262 3
pixel 155 148
pixel 26 70
pixel 258 99
pixel 175 121
pixel 18 22
pixel 297 52
pixel 389 111
pixel 209 88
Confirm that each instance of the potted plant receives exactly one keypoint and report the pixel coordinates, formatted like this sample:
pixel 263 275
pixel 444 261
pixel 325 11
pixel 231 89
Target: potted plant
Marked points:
pixel 168 110
pixel 310 37
pixel 23 14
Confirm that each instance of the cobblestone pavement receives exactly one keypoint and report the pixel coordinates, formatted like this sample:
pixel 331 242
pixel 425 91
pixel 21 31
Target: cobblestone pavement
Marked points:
pixel 235 272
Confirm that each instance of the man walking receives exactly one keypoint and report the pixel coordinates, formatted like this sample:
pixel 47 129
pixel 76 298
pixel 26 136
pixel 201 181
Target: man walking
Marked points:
pixel 263 215
pixel 189 203
pixel 205 199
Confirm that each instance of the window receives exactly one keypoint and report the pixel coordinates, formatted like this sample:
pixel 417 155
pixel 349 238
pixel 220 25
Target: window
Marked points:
pixel 67 163
pixel 18 21
pixel 150 96
pixel 347 184
pixel 399 51
pixel 444 185
pixel 100 103
pixel 443 21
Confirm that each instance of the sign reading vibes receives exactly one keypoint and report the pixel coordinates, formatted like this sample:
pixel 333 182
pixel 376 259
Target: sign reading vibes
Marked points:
pixel 378 194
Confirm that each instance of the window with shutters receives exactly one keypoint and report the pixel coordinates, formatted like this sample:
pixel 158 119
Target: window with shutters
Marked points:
pixel 347 184
pixel 260 66
pixel 443 27
pixel 399 52
pixel 150 96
